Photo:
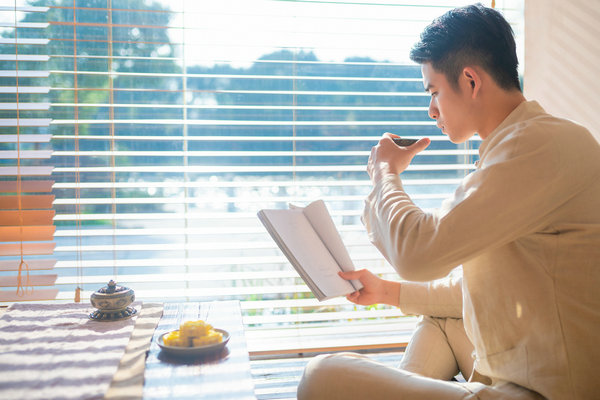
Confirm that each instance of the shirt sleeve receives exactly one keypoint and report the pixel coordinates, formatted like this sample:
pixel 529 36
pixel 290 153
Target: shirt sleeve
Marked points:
pixel 441 298
pixel 517 186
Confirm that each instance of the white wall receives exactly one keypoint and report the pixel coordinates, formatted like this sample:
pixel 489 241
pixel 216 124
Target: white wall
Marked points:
pixel 562 58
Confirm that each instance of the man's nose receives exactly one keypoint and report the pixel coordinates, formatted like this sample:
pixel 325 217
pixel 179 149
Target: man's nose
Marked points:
pixel 433 111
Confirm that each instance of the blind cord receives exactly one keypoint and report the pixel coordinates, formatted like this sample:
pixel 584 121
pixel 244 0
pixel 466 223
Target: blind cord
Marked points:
pixel 21 289
pixel 111 110
pixel 78 235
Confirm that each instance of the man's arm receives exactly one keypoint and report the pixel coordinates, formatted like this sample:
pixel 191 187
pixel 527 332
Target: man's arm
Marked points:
pixel 441 298
pixel 519 183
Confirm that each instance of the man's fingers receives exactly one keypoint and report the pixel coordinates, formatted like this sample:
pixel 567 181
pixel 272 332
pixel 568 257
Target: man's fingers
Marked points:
pixel 420 145
pixel 349 274
pixel 352 296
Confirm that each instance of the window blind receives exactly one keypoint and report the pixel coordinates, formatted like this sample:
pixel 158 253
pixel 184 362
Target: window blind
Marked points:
pixel 174 122
pixel 26 214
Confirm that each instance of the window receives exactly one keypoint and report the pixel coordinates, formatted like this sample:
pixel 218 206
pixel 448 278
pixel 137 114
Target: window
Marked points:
pixel 174 122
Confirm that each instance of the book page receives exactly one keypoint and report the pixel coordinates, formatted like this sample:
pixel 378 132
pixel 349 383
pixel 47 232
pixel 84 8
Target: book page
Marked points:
pixel 323 224
pixel 307 250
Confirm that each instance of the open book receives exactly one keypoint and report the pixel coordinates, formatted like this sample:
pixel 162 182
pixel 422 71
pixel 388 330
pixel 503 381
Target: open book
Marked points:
pixel 307 236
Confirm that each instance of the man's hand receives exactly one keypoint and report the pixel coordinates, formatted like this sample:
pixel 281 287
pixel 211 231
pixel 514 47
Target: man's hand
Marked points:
pixel 389 158
pixel 375 290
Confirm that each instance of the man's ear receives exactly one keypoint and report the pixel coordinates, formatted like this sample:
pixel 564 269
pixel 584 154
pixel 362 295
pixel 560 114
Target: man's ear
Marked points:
pixel 473 79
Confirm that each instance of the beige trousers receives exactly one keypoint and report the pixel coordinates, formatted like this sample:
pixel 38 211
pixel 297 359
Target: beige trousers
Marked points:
pixel 438 350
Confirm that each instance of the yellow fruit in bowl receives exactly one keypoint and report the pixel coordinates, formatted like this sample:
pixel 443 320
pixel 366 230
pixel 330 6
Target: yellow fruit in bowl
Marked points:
pixel 172 339
pixel 193 334
pixel 210 338
pixel 194 329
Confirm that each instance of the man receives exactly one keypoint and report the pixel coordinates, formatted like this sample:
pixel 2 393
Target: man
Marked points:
pixel 525 226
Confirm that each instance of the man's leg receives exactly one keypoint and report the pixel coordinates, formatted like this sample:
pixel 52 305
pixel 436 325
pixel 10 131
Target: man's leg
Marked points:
pixel 348 376
pixel 439 349
pixel 427 366
pixel 354 376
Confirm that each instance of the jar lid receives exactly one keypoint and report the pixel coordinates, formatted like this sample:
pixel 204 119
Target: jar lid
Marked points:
pixel 112 288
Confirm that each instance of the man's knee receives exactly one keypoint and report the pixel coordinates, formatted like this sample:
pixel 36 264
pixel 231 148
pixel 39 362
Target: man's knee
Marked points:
pixel 321 374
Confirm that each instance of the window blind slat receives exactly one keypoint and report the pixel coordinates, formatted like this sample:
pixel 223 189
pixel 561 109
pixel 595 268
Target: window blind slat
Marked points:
pixel 26 154
pixel 33 265
pixel 24 74
pixel 25 138
pixel 256 169
pixel 24 89
pixel 34 280
pixel 244 184
pixel 257 138
pixel 30 217
pixel 26 171
pixel 26 202
pixel 25 122
pixel 26 186
pixel 229 154
pixel 23 41
pixel 24 106
pixel 231 199
pixel 9 296
pixel 26 233
pixel 25 8
pixel 249 76
pixel 216 122
pixel 23 57
pixel 29 249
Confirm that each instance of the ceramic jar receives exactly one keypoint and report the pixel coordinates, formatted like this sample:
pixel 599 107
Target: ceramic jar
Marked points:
pixel 112 302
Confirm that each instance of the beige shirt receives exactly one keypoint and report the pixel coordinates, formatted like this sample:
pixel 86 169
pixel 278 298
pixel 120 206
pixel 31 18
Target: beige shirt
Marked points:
pixel 525 225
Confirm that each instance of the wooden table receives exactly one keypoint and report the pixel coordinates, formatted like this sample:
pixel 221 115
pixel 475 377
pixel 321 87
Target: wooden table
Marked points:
pixel 223 375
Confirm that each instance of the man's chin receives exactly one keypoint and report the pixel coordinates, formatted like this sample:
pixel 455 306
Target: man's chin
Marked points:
pixel 453 138
pixel 457 140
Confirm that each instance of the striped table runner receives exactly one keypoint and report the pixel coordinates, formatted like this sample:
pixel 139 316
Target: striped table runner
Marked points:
pixel 54 351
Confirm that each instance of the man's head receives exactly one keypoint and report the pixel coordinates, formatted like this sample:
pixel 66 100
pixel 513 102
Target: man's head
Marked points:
pixel 470 36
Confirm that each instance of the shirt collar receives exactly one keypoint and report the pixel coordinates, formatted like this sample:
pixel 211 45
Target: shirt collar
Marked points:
pixel 523 111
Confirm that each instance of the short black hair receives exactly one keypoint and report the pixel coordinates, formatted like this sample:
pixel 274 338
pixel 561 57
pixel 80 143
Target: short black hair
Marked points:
pixel 475 35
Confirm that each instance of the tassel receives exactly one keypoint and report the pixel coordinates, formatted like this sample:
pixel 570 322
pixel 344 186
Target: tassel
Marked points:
pixel 78 295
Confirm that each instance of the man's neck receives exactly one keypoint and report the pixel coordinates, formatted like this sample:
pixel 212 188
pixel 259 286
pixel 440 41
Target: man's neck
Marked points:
pixel 497 107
